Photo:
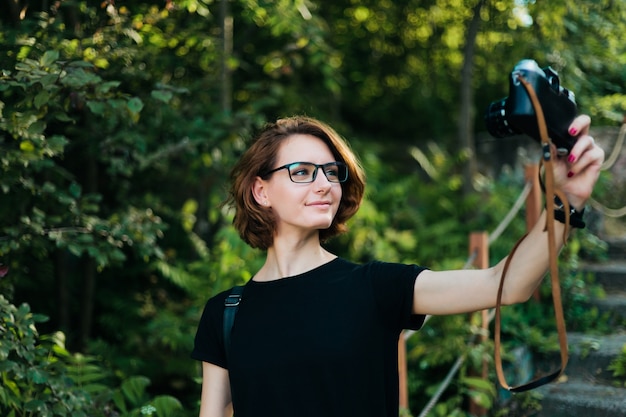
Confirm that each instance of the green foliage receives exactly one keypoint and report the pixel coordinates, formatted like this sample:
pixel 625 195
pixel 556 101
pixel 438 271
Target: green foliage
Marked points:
pixel 523 404
pixel 118 127
pixel 55 210
pixel 435 348
pixel 481 391
pixel 40 377
pixel 417 214
pixel 131 399
pixel 618 367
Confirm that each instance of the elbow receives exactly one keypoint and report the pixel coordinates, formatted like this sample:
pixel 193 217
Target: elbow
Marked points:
pixel 515 297
pixel 511 293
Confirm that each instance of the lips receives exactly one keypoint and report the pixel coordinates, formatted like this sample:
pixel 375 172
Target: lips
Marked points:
pixel 319 204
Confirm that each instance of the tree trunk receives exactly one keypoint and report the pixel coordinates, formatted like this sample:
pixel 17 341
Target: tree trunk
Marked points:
pixel 87 306
pixel 63 294
pixel 466 139
pixel 89 264
pixel 466 116
pixel 227 51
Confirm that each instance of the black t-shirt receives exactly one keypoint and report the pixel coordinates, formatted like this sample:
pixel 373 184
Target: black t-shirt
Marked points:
pixel 322 343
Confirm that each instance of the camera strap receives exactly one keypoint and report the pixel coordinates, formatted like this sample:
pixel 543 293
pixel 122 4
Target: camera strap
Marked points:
pixel 547 161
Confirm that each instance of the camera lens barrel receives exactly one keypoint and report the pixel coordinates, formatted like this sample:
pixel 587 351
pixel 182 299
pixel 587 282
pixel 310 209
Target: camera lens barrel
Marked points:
pixel 515 114
pixel 496 120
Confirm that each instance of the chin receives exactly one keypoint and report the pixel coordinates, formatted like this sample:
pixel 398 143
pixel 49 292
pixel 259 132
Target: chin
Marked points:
pixel 323 226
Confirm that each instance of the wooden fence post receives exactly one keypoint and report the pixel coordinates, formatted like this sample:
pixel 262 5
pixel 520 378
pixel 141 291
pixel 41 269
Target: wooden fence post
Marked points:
pixel 479 250
pixel 533 202
pixel 403 373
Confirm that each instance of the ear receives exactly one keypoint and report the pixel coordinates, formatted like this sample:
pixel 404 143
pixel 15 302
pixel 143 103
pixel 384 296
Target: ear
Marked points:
pixel 259 192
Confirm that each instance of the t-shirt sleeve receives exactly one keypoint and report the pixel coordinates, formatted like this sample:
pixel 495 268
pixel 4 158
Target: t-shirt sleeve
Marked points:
pixel 209 340
pixel 393 286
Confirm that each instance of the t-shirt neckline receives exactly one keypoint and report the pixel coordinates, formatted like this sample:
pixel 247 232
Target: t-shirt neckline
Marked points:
pixel 292 278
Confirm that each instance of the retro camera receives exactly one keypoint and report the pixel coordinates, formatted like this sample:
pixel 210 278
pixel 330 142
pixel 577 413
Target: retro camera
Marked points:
pixel 515 114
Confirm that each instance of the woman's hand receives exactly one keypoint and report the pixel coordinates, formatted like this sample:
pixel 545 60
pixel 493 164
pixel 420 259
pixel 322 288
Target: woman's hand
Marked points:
pixel 577 173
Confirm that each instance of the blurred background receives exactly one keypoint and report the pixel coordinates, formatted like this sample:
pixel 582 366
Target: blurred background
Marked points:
pixel 120 121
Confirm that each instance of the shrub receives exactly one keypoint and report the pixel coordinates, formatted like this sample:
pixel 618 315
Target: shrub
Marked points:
pixel 40 377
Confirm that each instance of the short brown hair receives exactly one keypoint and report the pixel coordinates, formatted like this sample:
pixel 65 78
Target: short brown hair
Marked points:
pixel 255 224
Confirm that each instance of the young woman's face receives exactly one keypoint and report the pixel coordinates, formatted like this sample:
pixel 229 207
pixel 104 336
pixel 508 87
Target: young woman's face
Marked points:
pixel 303 207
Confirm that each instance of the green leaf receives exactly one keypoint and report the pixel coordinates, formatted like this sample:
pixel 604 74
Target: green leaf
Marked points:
pixel 37 127
pixel 41 98
pixel 80 64
pixel 27 146
pixel 166 406
pixel 79 79
pixel 49 80
pixel 35 405
pixel 135 105
pixel 40 318
pixel 96 107
pixel 118 400
pixel 134 389
pixel 23 66
pixel 75 249
pixel 107 86
pixel 75 189
pixel 57 143
pixel 48 58
pixel 163 96
pixel 37 376
pixel 479 383
pixel 63 117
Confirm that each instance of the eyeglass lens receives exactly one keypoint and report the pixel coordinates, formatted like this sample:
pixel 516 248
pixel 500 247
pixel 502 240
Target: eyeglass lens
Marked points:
pixel 307 172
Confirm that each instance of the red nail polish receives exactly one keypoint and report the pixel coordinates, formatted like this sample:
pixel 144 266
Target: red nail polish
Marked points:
pixel 570 174
pixel 571 158
pixel 573 131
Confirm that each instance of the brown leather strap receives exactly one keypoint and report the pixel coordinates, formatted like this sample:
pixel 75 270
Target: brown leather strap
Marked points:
pixel 547 162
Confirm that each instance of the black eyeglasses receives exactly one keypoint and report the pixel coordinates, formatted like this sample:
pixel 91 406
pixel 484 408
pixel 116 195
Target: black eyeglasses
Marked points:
pixel 303 172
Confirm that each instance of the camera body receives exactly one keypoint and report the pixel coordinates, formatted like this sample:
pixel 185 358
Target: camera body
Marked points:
pixel 515 114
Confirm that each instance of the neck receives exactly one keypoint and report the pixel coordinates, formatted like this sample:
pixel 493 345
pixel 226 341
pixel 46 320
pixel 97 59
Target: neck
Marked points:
pixel 288 258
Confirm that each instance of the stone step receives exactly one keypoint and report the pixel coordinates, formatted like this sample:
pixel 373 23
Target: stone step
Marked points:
pixel 576 397
pixel 590 356
pixel 610 274
pixel 613 305
pixel 616 247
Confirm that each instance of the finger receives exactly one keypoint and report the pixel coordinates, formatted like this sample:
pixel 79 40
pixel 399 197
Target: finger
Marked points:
pixel 582 176
pixel 584 144
pixel 580 125
pixel 589 163
pixel 592 154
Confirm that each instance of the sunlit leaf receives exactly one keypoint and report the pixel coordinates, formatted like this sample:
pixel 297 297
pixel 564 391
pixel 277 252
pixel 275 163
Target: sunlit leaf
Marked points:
pixel 135 105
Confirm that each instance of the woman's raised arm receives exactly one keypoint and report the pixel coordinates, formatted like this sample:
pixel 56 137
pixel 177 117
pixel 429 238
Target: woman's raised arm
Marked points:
pixel 460 291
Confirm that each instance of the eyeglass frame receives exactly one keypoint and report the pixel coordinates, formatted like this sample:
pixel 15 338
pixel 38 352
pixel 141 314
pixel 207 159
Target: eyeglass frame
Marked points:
pixel 314 175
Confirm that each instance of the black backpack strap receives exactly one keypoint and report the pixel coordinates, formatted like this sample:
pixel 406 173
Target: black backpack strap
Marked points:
pixel 231 305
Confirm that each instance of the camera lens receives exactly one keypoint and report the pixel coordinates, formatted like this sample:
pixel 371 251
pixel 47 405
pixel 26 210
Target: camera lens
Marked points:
pixel 496 121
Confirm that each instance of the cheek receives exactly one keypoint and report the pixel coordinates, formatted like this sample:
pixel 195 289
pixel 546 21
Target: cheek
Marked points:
pixel 338 192
pixel 337 195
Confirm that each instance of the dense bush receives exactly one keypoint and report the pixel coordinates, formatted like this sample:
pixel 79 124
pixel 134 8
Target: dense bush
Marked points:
pixel 40 377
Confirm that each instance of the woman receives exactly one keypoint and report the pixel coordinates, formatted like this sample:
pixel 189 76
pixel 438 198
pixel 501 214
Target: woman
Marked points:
pixel 316 335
